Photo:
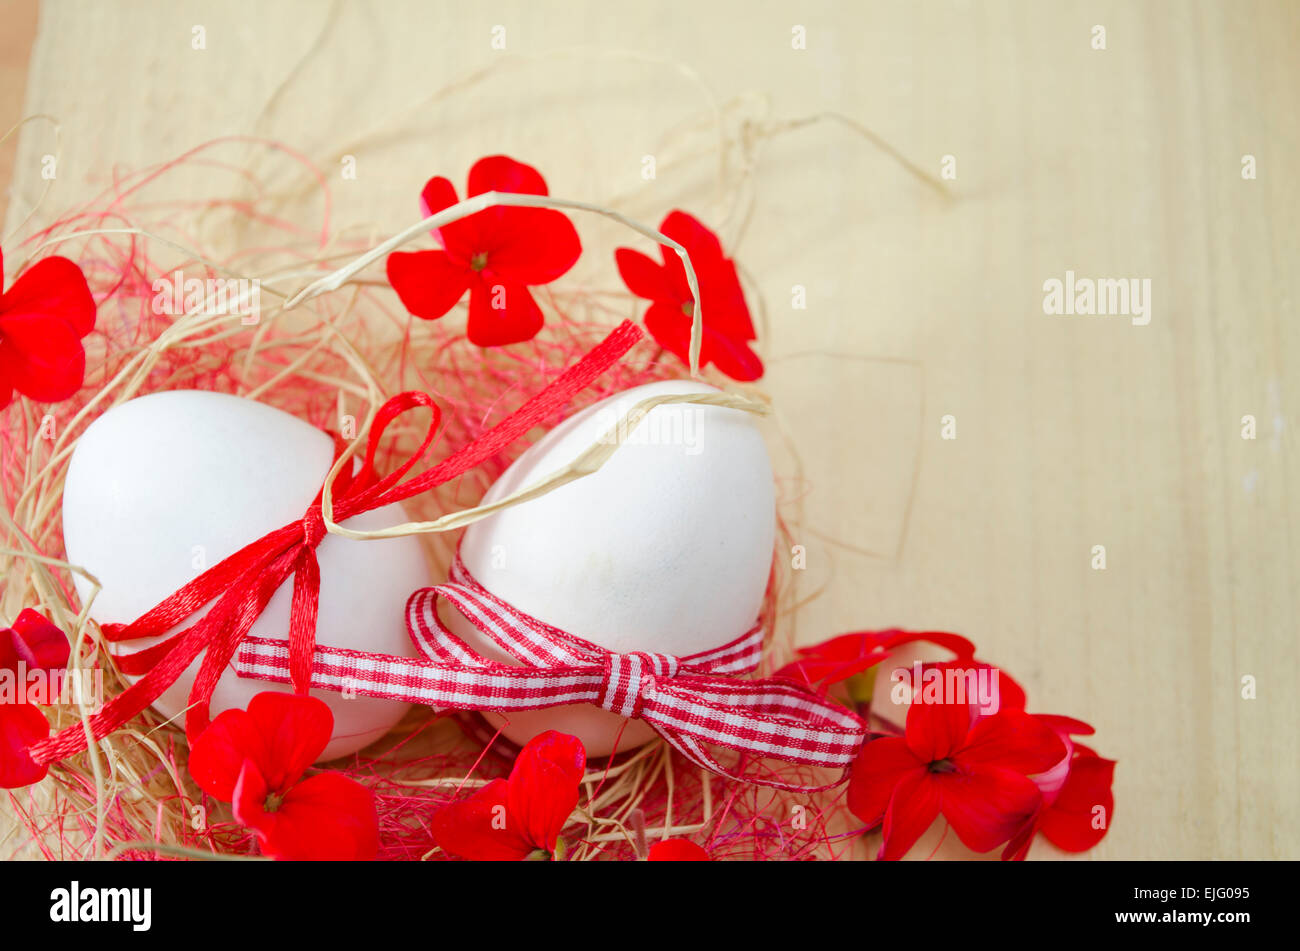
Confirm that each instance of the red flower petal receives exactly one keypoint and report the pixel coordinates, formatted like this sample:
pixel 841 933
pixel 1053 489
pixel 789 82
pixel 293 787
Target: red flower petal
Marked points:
pixel 1010 695
pixel 912 809
pixel 457 238
pixel 645 277
pixel 727 327
pixel 1003 693
pixel 532 246
pixel 544 786
pixel 842 657
pixel 40 357
pixel 1017 848
pixel 701 244
pixel 495 253
pixel 986 805
pixel 53 289
pixel 325 818
pixel 248 795
pixel 677 850
pixel 563 751
pixel 822 672
pixel 294 729
pixel 1069 822
pixel 429 283
pixel 502 313
pixel 671 328
pixel 509 244
pixel 935 731
pixel 34 641
pixel 1050 781
pixel 878 770
pixel 1012 740
pixel 724 296
pixel 960 646
pixel 508 231
pixel 1066 725
pixel 438 193
pixel 21 726
pixel 724 302
pixel 218 756
pixel 500 173
pixel 731 356
pixel 479 828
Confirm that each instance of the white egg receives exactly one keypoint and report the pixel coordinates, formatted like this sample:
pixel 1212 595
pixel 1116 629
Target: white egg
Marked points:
pixel 166 485
pixel 667 548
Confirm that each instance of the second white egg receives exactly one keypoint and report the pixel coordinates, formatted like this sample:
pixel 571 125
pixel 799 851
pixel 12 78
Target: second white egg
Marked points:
pixel 667 548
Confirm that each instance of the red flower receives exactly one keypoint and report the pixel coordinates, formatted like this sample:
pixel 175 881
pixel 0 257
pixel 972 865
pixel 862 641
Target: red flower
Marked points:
pixel 677 850
pixel 976 774
pixel 727 327
pixel 42 320
pixel 1077 798
pixel 256 758
pixel 32 644
pixel 495 254
pixel 520 817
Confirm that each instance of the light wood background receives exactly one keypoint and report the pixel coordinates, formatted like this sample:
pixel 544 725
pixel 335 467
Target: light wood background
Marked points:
pixel 1071 431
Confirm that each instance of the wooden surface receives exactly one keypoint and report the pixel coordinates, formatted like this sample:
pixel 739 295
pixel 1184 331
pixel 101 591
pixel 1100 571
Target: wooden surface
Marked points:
pixel 1071 432
pixel 19 19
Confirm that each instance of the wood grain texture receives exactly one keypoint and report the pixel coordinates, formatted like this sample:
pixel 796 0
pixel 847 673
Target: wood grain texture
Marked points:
pixel 19 30
pixel 1071 431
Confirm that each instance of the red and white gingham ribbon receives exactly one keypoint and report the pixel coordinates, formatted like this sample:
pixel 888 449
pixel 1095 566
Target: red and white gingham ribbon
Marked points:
pixel 692 702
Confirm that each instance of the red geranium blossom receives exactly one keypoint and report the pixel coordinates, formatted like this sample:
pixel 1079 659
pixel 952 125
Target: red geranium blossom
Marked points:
pixel 495 254
pixel 520 817
pixel 997 780
pixel 32 644
pixel 43 319
pixel 677 850
pixel 256 758
pixel 727 326
pixel 973 771
pixel 1077 798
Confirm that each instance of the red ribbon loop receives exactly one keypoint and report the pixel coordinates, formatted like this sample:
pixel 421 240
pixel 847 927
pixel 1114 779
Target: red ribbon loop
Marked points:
pixel 239 587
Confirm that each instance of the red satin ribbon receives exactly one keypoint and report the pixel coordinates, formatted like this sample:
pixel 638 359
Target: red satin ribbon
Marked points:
pixel 242 584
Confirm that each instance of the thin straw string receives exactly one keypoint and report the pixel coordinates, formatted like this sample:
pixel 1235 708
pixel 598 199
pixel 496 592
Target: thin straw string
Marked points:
pixel 482 202
pixel 49 182
pixel 588 461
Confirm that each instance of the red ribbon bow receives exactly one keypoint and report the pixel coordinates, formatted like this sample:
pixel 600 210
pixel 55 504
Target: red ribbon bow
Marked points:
pixel 692 702
pixel 242 584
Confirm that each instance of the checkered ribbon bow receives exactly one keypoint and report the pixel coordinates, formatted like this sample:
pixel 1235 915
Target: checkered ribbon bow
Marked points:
pixel 696 703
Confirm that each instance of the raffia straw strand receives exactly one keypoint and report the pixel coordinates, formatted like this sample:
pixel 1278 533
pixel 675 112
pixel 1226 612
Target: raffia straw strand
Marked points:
pixel 49 182
pixel 482 202
pixel 588 462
